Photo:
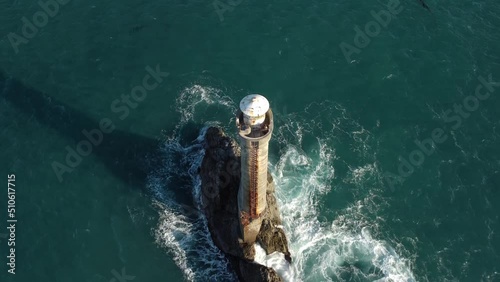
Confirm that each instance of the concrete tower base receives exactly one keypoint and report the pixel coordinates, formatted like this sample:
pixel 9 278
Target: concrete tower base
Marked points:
pixel 255 127
pixel 251 231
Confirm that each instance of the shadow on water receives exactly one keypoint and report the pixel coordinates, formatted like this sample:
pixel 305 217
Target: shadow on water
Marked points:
pixel 127 155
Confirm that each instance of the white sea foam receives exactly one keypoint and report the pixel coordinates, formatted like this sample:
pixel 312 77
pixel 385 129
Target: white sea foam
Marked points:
pixel 322 250
pixel 192 98
pixel 344 249
pixel 182 228
pixel 360 175
pixel 276 261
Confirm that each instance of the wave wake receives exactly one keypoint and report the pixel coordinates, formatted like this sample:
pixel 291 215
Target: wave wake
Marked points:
pixel 336 249
pixel 342 249
pixel 182 228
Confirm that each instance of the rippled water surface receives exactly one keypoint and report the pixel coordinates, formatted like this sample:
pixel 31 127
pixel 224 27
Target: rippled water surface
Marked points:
pixel 364 193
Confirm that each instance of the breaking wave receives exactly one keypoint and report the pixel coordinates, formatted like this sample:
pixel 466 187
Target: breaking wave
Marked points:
pixel 342 248
pixel 182 228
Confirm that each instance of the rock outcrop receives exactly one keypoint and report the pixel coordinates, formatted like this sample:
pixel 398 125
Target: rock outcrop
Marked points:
pixel 220 176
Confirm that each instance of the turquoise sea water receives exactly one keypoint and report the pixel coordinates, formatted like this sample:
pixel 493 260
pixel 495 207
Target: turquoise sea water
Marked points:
pixel 354 206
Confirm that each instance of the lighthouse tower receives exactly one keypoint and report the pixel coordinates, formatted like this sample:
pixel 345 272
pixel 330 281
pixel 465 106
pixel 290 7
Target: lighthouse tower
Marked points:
pixel 255 124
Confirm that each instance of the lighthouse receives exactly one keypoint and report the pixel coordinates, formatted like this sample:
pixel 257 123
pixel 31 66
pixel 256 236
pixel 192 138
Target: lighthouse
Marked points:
pixel 255 126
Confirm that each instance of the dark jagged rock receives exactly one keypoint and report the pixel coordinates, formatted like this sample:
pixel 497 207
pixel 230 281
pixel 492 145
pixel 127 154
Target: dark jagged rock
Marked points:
pixel 220 176
pixel 273 239
pixel 251 271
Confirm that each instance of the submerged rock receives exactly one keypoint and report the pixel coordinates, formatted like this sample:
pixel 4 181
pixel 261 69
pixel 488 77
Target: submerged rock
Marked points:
pixel 220 177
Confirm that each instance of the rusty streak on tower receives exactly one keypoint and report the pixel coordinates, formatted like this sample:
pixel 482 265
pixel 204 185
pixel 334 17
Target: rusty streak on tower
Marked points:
pixel 255 124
